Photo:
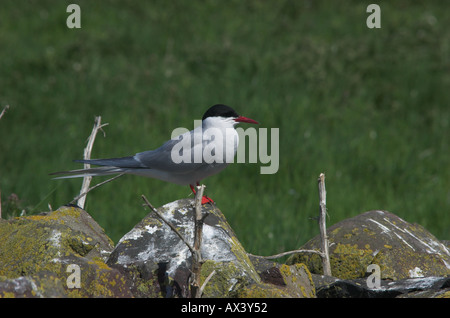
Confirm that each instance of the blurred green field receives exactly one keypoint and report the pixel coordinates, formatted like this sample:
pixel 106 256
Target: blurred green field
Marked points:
pixel 368 107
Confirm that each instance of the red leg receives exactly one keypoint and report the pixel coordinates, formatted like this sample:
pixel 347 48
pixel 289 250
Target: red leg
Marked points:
pixel 205 199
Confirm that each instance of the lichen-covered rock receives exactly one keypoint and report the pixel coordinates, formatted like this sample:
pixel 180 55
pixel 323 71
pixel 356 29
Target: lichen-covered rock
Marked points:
pixel 38 241
pixel 262 290
pixel 42 284
pixel 45 251
pixel 227 279
pixel 424 287
pixel 279 281
pixel 402 250
pixel 152 244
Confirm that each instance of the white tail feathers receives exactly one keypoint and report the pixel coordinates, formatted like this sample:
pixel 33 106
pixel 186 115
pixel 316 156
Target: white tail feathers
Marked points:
pixel 92 172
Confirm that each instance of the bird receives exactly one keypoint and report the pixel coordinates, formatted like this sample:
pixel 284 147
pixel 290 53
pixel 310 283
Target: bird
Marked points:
pixel 185 159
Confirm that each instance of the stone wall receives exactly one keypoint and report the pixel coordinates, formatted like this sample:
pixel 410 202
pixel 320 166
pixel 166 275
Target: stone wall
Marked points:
pixel 65 253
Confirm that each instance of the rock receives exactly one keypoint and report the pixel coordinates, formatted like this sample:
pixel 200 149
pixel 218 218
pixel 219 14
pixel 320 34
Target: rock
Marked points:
pixel 428 287
pixel 228 279
pixel 322 281
pixel 402 250
pixel 279 280
pixel 152 250
pixel 411 286
pixel 42 284
pixel 446 243
pixel 262 290
pixel 65 253
pixel 341 288
pixel 43 251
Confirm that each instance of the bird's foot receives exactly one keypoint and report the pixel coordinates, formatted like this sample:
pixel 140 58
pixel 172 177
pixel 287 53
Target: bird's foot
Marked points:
pixel 206 199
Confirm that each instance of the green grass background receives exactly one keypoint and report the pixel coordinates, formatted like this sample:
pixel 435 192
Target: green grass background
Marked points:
pixel 368 107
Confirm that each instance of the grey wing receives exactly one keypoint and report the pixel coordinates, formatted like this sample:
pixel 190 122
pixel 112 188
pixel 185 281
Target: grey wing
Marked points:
pixel 168 156
pixel 123 162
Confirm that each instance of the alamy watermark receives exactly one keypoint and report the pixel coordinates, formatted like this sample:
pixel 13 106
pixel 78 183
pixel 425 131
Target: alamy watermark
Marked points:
pixel 222 150
pixel 74 279
pixel 374 279
pixel 73 21
pixel 373 21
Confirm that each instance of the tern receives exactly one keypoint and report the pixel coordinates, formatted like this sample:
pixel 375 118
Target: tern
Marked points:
pixel 185 159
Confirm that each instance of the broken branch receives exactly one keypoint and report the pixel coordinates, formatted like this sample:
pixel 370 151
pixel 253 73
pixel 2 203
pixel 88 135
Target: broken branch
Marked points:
pixel 4 111
pixel 195 287
pixel 87 155
pixel 82 194
pixel 172 227
pixel 197 261
pixel 322 225
pixel 206 281
pixel 288 253
pixel 324 254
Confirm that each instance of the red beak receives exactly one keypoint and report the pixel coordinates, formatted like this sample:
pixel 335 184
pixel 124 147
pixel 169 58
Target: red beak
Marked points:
pixel 243 119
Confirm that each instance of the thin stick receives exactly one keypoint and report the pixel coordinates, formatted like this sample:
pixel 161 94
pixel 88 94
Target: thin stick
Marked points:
pixel 4 111
pixel 172 227
pixel 197 261
pixel 324 254
pixel 206 281
pixel 96 186
pixel 198 236
pixel 322 225
pixel 288 253
pixel 87 155
pixel 198 217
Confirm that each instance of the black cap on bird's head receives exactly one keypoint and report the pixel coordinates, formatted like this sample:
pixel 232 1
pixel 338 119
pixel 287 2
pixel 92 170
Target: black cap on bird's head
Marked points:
pixel 225 111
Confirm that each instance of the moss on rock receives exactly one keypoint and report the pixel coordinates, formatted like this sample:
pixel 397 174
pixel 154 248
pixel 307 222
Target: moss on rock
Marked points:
pixel 262 290
pixel 37 250
pixel 227 279
pixel 153 242
pixel 400 249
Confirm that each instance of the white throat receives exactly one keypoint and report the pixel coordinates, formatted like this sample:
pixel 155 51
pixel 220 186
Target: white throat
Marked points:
pixel 220 137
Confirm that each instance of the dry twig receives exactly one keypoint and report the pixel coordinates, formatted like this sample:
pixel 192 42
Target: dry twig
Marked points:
pixel 1 115
pixel 197 261
pixel 4 111
pixel 324 254
pixel 82 194
pixel 288 253
pixel 172 227
pixel 322 225
pixel 206 281
pixel 87 155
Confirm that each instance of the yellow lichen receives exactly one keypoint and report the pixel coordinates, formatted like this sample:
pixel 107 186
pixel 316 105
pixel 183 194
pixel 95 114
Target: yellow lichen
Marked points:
pixel 262 291
pixel 7 295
